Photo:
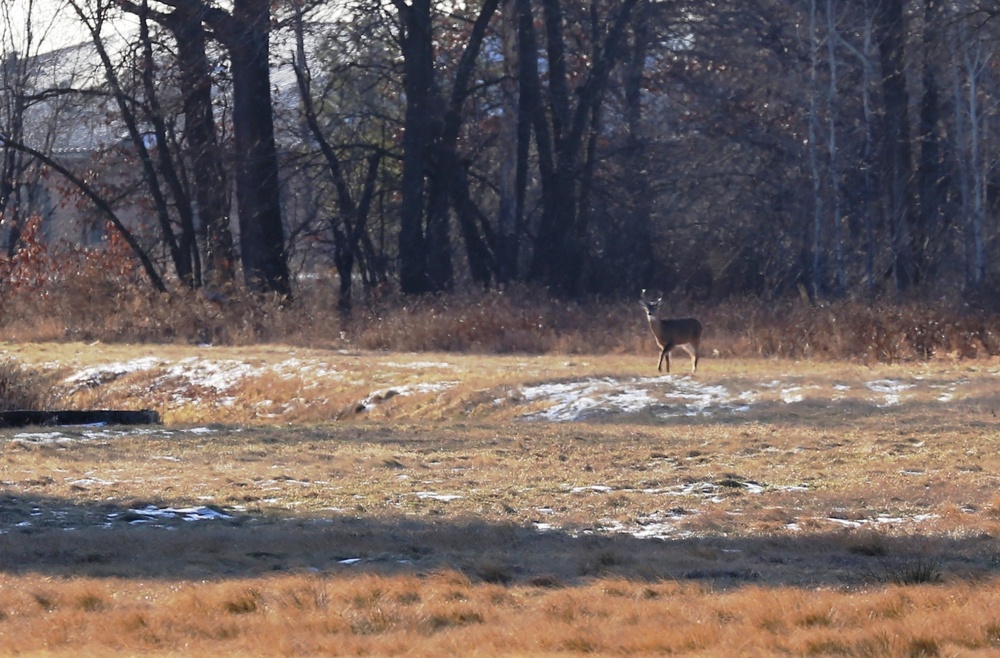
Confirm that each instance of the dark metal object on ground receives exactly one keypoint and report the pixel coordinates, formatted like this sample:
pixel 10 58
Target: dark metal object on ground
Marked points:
pixel 79 417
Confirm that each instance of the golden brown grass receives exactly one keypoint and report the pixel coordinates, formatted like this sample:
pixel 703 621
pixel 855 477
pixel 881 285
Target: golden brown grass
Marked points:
pixel 444 613
pixel 839 513
pixel 52 293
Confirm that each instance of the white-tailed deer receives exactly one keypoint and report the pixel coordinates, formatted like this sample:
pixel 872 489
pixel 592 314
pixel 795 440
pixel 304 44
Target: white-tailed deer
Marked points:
pixel 684 333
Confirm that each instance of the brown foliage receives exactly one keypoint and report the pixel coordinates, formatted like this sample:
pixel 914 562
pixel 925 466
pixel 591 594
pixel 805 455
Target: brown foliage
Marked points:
pixel 75 293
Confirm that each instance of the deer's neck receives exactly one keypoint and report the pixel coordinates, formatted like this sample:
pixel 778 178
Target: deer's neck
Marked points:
pixel 654 323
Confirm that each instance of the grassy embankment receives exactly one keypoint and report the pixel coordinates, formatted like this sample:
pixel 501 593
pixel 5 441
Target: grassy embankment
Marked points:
pixel 419 504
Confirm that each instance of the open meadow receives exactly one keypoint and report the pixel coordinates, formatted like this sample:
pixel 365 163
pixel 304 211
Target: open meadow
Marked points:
pixel 304 501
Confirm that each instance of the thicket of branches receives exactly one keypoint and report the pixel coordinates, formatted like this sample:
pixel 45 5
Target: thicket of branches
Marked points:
pixel 770 148
pixel 60 292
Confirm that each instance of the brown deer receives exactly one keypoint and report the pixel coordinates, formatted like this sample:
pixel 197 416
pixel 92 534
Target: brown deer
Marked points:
pixel 684 333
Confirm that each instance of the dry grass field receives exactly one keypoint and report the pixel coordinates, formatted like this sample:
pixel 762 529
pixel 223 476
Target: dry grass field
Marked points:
pixel 325 502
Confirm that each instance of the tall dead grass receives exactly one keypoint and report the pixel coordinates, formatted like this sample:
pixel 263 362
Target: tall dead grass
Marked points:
pixel 517 321
pixel 444 613
pixel 54 294
pixel 22 387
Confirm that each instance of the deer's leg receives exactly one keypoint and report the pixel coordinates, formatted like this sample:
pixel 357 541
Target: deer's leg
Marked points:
pixel 659 364
pixel 692 351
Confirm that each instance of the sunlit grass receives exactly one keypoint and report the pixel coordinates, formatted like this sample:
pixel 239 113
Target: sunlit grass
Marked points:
pixel 443 613
pixel 848 509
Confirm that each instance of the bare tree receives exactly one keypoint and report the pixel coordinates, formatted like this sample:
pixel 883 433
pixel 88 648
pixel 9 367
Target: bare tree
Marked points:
pixel 562 131
pixel 891 35
pixel 350 232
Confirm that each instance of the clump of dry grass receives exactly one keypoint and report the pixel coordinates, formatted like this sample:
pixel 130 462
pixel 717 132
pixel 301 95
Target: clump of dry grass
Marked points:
pixel 499 322
pixel 883 331
pixel 443 613
pixel 23 388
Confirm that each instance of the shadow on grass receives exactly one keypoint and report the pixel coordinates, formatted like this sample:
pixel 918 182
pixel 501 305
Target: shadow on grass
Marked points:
pixel 249 546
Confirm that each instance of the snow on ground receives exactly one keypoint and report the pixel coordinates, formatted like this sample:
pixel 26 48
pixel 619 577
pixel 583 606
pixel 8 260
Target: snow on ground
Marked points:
pixel 892 390
pixel 102 374
pixel 669 396
pixel 587 398
pixel 665 397
pixel 152 514
pixel 81 434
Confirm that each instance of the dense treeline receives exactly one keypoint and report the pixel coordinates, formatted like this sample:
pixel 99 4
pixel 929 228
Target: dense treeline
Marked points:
pixel 823 148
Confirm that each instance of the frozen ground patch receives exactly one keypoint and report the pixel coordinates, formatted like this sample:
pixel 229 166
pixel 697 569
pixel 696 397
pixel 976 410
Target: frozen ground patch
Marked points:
pixel 103 374
pixel 192 380
pixel 892 390
pixel 382 395
pixel 592 397
pixel 153 514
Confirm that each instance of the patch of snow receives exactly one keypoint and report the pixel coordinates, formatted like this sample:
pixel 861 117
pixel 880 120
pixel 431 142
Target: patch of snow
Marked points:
pixel 595 487
pixel 220 376
pixel 199 430
pixel 410 389
pixel 86 482
pixel 297 367
pixel 660 525
pixel 578 400
pixel 420 365
pixel 98 375
pixel 430 495
pixel 882 519
pixel 891 389
pixel 40 438
pixel 153 513
pixel 791 395
pixel 839 391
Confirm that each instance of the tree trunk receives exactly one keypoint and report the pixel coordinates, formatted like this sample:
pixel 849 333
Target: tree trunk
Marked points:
pixel 638 237
pixel 208 174
pixel 840 282
pixel 449 186
pixel 418 132
pixel 511 207
pixel 560 244
pixel 891 35
pixel 12 166
pixel 188 261
pixel 262 237
pixel 245 34
pixel 815 272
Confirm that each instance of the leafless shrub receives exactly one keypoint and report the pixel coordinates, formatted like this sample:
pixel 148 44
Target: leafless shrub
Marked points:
pixel 57 293
pixel 914 570
pixel 22 388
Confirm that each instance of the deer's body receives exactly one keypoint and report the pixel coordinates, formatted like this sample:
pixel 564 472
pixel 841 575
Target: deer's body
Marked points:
pixel 684 333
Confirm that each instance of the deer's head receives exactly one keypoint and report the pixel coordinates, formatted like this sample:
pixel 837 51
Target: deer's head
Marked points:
pixel 650 305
